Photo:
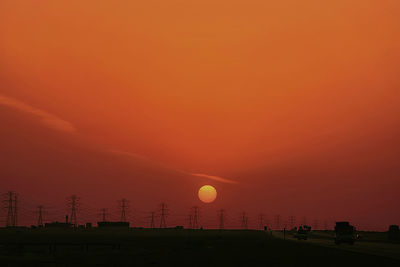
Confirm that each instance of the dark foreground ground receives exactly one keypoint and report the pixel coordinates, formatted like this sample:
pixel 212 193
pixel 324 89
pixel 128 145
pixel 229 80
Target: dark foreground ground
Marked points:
pixel 177 247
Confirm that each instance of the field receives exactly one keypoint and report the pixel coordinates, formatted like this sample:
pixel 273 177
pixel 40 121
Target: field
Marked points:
pixel 171 247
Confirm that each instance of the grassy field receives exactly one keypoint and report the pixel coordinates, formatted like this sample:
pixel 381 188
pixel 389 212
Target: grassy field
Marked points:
pixel 171 247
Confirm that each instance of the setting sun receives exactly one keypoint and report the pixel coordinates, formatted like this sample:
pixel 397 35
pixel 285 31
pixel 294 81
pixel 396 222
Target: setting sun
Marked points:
pixel 207 193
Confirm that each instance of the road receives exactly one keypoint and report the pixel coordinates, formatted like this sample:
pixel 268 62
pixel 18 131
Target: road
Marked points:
pixel 389 250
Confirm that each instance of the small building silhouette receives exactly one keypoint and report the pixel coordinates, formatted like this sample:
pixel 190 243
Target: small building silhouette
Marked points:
pixel 107 225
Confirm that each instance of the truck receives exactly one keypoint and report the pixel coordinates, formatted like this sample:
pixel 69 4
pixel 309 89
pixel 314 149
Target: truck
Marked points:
pixel 344 233
pixel 394 233
pixel 301 234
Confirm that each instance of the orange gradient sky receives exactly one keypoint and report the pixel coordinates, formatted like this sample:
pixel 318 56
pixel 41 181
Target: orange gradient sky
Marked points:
pixel 278 104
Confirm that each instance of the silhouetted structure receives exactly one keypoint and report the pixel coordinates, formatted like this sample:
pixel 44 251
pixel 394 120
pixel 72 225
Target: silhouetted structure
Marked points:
pixel 277 221
pixel 344 233
pixel 103 214
pixel 40 218
pixel 152 226
pixel 244 220
pixel 64 225
pixel 163 222
pixel 190 224
pixel 292 221
pixel 221 219
pixel 73 203
pixel 261 221
pixel 108 225
pixel 10 209
pixel 124 205
pixel 315 224
pixel 15 219
pixel 394 232
pixel 195 223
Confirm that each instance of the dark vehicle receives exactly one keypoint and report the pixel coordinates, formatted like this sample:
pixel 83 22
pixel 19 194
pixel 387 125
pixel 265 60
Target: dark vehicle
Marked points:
pixel 301 234
pixel 394 232
pixel 344 233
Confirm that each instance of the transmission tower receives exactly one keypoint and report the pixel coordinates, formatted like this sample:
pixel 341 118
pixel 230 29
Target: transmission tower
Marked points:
pixel 292 221
pixel 304 220
pixel 190 226
pixel 152 220
pixel 278 222
pixel 103 214
pixel 325 225
pixel 315 224
pixel 195 223
pixel 244 220
pixel 73 203
pixel 261 221
pixel 40 219
pixel 163 223
pixel 15 219
pixel 221 218
pixel 124 205
pixel 10 210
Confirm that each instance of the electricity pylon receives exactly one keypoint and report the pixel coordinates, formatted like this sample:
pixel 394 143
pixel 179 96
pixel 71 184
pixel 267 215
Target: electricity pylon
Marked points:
pixel 163 222
pixel 73 203
pixel 124 206
pixel 40 218
pixel 221 215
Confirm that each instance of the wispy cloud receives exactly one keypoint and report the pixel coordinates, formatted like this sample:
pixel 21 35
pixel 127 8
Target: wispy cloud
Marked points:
pixel 213 177
pixel 202 175
pixel 129 154
pixel 48 119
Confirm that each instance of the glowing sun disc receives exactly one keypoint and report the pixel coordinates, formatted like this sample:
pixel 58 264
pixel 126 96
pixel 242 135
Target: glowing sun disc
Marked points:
pixel 207 193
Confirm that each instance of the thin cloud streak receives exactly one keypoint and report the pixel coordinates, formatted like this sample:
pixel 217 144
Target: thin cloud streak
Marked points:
pixel 129 154
pixel 49 120
pixel 202 175
pixel 213 177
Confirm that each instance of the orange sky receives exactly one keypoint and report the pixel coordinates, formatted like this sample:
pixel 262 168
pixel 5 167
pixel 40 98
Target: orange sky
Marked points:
pixel 294 101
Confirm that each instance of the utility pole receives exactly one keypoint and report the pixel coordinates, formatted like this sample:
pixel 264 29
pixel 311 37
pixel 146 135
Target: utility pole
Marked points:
pixel 163 223
pixel 195 223
pixel 73 203
pixel 244 220
pixel 304 220
pixel 152 220
pixel 325 225
pixel 124 205
pixel 40 219
pixel 315 226
pixel 103 214
pixel 15 219
pixel 292 222
pixel 10 212
pixel 190 226
pixel 221 218
pixel 261 221
pixel 278 222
